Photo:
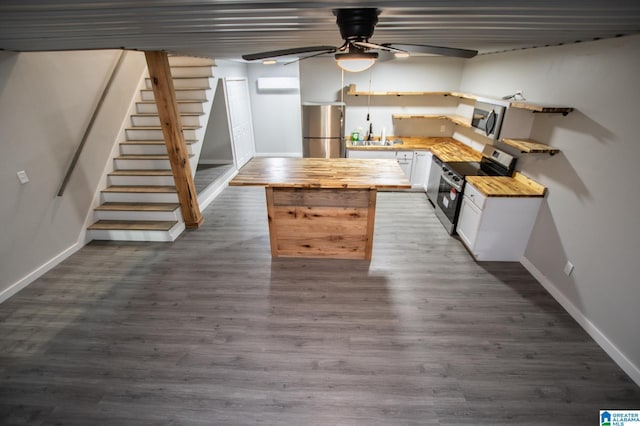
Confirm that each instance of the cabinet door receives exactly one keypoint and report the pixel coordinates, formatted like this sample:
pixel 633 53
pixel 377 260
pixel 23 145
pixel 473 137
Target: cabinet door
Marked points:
pixel 468 222
pixel 405 160
pixel 420 170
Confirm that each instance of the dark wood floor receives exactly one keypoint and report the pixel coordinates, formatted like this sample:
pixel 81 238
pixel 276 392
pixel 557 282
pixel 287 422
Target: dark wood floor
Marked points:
pixel 211 330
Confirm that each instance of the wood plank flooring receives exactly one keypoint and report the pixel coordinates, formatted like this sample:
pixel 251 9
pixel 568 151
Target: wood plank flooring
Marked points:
pixel 211 330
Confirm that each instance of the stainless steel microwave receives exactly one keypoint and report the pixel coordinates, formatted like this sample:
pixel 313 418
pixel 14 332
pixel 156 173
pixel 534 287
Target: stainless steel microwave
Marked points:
pixel 487 119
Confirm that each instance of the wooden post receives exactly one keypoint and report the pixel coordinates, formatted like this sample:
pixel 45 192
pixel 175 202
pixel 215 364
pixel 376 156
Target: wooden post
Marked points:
pixel 165 96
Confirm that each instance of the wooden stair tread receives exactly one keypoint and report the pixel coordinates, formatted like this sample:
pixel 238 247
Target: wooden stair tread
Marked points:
pixel 178 89
pixel 189 77
pixel 153 142
pixel 192 66
pixel 145 207
pixel 159 189
pixel 143 157
pixel 190 101
pixel 141 172
pixel 133 225
pixel 154 114
pixel 160 127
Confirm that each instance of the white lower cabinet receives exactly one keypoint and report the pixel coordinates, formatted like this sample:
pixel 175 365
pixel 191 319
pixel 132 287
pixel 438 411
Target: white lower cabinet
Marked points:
pixel 414 164
pixel 405 160
pixel 496 228
pixel 420 170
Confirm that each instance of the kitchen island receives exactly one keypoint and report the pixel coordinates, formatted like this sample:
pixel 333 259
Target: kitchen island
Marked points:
pixel 321 207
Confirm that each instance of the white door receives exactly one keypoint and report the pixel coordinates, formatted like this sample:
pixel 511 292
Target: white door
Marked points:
pixel 239 109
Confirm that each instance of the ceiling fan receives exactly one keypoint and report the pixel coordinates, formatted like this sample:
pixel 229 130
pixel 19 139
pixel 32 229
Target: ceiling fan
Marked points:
pixel 357 53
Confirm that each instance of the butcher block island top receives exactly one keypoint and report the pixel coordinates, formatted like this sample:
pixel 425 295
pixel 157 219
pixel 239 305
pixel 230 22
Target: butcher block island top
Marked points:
pixel 332 173
pixel 321 207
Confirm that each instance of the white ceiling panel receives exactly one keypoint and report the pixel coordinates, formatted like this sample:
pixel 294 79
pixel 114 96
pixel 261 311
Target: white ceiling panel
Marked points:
pixel 230 28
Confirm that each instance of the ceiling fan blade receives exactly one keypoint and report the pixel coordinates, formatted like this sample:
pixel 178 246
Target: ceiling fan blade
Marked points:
pixel 367 45
pixel 433 50
pixel 308 57
pixel 285 52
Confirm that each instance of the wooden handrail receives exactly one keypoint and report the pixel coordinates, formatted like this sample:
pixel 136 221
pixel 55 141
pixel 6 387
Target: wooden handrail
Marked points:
pixel 76 156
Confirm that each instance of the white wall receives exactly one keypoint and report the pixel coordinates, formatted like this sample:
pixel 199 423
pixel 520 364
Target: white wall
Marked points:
pixel 321 81
pixel 46 101
pixel 216 144
pixel 276 114
pixel 590 215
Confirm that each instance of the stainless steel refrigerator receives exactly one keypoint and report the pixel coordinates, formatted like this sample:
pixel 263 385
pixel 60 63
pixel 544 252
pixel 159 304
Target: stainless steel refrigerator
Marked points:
pixel 323 130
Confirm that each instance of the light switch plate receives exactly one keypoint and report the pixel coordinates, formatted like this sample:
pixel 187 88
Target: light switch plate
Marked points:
pixel 568 268
pixel 22 177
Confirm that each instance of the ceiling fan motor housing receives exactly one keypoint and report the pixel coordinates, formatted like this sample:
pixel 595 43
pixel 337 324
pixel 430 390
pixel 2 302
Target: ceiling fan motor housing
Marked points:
pixel 356 24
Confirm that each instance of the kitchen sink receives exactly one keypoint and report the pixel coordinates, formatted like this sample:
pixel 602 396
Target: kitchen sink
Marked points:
pixel 376 143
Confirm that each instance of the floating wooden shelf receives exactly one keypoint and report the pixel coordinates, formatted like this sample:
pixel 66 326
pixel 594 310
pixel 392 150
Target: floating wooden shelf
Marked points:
pixel 462 95
pixel 542 108
pixel 462 121
pixel 354 92
pixel 530 146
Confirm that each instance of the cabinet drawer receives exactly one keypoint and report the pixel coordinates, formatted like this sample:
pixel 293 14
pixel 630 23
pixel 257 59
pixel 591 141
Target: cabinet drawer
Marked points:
pixel 404 155
pixel 475 196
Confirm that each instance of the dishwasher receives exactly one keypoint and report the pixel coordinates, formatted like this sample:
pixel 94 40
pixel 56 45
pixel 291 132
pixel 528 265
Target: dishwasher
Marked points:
pixel 434 179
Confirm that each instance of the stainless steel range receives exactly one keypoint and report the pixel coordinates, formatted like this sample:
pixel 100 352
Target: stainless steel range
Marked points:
pixel 447 205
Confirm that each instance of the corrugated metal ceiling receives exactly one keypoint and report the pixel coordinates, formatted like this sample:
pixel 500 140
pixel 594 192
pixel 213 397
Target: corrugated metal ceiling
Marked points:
pixel 230 28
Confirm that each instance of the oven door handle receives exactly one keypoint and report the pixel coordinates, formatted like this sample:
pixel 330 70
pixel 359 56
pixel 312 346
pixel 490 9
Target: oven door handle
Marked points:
pixel 457 186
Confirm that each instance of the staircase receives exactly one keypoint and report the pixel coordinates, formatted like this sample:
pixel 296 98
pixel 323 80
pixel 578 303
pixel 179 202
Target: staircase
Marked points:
pixel 140 202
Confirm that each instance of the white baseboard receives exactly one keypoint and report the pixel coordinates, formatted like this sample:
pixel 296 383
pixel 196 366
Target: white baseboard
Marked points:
pixel 38 272
pixel 210 193
pixel 601 339
pixel 278 154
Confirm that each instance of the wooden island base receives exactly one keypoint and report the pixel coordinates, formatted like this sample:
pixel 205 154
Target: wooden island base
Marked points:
pixel 321 207
pixel 320 222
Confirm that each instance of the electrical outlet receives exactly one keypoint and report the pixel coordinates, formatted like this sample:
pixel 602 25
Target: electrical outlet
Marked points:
pixel 22 177
pixel 443 128
pixel 568 268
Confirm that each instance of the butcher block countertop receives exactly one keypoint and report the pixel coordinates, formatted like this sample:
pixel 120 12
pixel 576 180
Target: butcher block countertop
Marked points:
pixel 445 148
pixel 322 173
pixel 503 186
pixel 455 151
pixel 408 144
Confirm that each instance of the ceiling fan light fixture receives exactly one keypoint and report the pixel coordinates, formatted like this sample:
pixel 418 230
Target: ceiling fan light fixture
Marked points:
pixel 356 61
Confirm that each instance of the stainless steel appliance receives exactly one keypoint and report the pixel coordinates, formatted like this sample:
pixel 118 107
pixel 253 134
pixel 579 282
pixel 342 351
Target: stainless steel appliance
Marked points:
pixel 447 206
pixel 487 118
pixel 323 130
pixel 434 179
